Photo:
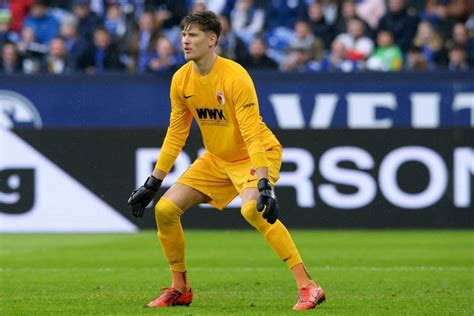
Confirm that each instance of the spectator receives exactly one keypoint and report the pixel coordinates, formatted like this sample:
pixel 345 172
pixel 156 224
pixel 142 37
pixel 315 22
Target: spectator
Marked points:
pixel 115 22
pixel 102 56
pixel 303 37
pixel 451 9
pixel 346 13
pixel 299 59
pixel 371 11
pixel 168 16
pixel 165 60
pixel 400 23
pixel 281 17
pixel 436 13
pixel 430 43
pixel 257 57
pixel 247 20
pixel 415 60
pixel 331 10
pixel 10 62
pixel 387 56
pixel 319 26
pixel 197 6
pixel 44 25
pixel 458 59
pixel 416 6
pixel 88 21
pixel 216 6
pixel 75 45
pixel 358 45
pixel 284 14
pixel 59 9
pixel 19 10
pixel 460 36
pixel 31 52
pixel 6 35
pixel 61 4
pixel 141 43
pixel 470 21
pixel 230 45
pixel 56 61
pixel 300 52
pixel 99 7
pixel 337 60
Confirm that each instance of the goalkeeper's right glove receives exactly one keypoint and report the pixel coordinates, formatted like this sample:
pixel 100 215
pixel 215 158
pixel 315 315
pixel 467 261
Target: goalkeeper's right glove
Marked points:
pixel 267 201
pixel 141 197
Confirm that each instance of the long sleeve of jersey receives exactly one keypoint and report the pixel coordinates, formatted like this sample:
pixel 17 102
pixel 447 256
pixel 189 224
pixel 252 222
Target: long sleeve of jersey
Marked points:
pixel 248 117
pixel 178 130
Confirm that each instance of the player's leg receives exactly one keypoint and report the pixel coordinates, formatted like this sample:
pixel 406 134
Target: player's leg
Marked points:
pixel 279 239
pixel 168 211
pixel 276 235
pixel 203 182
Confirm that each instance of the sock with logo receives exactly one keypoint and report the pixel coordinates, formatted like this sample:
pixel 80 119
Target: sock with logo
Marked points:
pixel 275 234
pixel 170 233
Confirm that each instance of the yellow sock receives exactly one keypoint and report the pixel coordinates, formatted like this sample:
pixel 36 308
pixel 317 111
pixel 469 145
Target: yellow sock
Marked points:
pixel 170 233
pixel 276 235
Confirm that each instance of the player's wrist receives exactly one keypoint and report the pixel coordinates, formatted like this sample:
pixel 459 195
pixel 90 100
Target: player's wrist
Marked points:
pixel 264 184
pixel 153 183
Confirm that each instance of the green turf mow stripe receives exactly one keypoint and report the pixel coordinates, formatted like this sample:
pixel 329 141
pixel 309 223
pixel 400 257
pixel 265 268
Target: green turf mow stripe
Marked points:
pixel 248 269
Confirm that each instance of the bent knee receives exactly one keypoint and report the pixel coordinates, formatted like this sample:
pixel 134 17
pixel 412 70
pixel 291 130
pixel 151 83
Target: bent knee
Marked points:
pixel 166 212
pixel 252 216
pixel 249 210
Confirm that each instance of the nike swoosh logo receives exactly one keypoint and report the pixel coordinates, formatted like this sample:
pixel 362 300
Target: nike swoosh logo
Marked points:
pixel 188 96
pixel 251 180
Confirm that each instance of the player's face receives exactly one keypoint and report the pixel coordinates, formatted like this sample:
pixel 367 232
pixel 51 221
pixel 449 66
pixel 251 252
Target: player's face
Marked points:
pixel 197 44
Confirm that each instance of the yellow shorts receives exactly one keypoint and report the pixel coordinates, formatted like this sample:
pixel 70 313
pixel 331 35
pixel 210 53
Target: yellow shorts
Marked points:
pixel 222 181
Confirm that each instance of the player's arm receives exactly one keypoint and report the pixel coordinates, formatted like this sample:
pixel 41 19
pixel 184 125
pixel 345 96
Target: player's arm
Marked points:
pixel 248 117
pixel 176 135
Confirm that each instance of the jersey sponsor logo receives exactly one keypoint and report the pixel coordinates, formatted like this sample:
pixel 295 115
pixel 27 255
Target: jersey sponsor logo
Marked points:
pixel 17 111
pixel 210 114
pixel 220 98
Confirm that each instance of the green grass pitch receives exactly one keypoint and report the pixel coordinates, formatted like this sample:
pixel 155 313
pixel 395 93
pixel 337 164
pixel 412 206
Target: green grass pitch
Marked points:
pixel 235 272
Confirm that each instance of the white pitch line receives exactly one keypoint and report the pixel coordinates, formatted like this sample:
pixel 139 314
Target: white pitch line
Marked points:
pixel 252 269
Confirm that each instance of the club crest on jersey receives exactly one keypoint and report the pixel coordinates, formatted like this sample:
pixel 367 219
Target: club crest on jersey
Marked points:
pixel 220 98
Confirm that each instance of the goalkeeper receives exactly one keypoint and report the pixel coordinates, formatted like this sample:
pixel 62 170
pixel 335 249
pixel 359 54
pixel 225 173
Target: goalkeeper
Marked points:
pixel 242 157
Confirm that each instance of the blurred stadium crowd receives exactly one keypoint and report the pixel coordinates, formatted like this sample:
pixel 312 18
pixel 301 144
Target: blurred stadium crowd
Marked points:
pixel 138 36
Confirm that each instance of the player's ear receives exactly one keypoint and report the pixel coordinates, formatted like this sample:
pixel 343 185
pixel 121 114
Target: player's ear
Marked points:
pixel 212 39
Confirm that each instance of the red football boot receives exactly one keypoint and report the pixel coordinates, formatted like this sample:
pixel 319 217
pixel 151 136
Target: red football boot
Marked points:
pixel 172 297
pixel 309 296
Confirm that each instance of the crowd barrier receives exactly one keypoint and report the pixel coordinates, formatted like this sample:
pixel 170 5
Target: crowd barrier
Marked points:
pixel 287 101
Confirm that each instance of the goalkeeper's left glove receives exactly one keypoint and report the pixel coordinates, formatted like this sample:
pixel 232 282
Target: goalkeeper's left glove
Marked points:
pixel 267 201
pixel 141 197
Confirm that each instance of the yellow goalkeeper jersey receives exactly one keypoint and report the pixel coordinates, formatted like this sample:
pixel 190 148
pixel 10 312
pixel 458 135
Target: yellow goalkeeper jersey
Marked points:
pixel 225 106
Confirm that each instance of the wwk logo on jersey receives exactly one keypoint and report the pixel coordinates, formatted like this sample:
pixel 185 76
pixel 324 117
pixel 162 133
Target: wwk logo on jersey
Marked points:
pixel 210 114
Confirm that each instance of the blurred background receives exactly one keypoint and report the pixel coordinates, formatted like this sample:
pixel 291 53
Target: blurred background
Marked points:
pixel 373 101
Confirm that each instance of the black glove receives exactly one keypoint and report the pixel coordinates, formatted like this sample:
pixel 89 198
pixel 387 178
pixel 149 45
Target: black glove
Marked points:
pixel 142 196
pixel 267 201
